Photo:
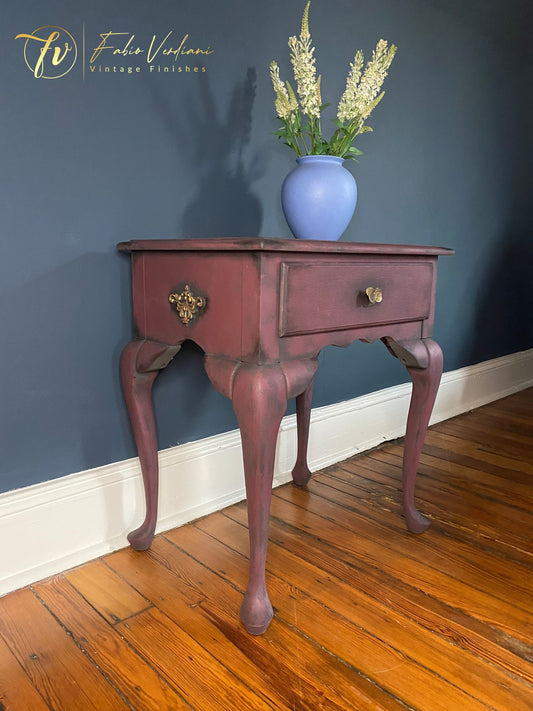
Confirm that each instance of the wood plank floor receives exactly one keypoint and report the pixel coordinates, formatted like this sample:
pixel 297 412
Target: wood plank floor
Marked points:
pixel 367 616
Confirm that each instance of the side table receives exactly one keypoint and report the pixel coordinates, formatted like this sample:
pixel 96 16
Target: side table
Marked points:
pixel 262 310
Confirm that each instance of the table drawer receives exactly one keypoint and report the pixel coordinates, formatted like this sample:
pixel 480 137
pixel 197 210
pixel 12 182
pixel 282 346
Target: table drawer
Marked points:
pixel 327 297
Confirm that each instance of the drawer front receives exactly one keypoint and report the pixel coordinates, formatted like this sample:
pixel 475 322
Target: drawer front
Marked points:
pixel 329 297
pixel 183 296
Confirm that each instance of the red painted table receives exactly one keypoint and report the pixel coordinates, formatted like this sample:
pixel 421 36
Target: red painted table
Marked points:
pixel 262 310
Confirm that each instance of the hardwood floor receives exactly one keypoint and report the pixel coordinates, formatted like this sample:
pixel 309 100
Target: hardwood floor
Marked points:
pixel 367 616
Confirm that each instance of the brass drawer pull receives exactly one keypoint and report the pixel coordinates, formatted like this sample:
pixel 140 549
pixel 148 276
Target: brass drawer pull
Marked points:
pixel 187 304
pixel 374 294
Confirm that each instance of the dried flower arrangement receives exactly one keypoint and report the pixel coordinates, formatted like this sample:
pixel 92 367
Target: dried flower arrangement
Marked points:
pixel 299 112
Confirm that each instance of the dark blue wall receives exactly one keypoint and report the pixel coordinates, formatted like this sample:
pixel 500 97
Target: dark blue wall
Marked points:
pixel 87 162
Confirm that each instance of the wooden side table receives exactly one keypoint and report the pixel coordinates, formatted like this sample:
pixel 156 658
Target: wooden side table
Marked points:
pixel 262 310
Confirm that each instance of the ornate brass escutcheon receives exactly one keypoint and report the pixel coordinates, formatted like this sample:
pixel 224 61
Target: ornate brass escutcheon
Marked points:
pixel 187 304
pixel 374 294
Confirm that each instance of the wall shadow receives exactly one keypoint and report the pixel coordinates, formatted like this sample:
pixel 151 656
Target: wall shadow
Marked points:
pixel 213 150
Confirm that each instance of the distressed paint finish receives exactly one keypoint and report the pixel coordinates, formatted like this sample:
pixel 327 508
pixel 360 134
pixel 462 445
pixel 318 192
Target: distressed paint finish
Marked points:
pixel 270 307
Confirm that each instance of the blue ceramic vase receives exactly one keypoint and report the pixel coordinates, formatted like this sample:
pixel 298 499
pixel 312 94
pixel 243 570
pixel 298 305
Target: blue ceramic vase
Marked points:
pixel 318 198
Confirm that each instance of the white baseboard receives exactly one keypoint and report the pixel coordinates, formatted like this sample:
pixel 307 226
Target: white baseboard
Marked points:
pixel 68 521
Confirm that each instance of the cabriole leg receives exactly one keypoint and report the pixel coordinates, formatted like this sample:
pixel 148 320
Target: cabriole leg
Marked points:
pixel 259 396
pixel 301 473
pixel 423 359
pixel 140 363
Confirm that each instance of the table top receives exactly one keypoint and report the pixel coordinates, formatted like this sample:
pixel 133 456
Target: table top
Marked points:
pixel 271 244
